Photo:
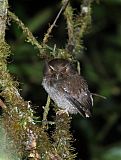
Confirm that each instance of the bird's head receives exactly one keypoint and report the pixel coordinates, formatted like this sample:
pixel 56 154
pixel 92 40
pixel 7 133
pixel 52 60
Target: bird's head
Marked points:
pixel 58 68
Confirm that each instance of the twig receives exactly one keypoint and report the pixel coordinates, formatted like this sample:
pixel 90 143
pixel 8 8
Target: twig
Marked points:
pixel 78 67
pixel 47 35
pixel 46 110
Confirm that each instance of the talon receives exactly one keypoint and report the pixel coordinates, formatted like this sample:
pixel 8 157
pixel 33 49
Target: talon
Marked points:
pixel 62 112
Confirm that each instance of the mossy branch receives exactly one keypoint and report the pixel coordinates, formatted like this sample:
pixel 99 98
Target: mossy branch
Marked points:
pixel 26 31
pixel 46 110
pixel 3 17
pixel 30 140
pixel 77 26
pixel 62 137
pixel 82 23
pixel 70 24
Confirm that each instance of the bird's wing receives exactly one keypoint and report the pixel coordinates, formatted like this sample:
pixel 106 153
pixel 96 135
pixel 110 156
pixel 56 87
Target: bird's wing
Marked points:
pixel 76 104
pixel 83 105
pixel 79 97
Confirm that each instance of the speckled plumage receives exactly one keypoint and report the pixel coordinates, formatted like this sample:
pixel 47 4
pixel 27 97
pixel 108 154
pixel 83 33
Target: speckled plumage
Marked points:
pixel 67 88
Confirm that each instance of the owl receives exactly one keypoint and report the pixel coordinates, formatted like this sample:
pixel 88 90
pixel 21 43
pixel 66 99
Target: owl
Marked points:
pixel 67 88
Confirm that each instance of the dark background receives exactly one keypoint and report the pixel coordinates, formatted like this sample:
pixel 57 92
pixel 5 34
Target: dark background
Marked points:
pixel 97 138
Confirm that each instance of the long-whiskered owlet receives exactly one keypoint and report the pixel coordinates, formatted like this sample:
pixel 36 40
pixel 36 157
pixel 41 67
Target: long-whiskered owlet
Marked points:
pixel 67 88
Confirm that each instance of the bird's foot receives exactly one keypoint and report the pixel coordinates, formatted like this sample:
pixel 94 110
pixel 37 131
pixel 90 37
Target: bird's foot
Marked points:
pixel 62 112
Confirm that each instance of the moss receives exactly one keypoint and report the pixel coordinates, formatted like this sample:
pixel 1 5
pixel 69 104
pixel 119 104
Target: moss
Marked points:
pixel 28 139
pixel 62 137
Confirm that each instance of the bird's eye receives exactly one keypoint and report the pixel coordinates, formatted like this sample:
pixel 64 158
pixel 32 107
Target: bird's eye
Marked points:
pixel 65 69
pixel 52 68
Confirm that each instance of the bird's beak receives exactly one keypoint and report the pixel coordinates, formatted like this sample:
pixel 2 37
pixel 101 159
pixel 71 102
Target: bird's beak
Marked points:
pixel 57 76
